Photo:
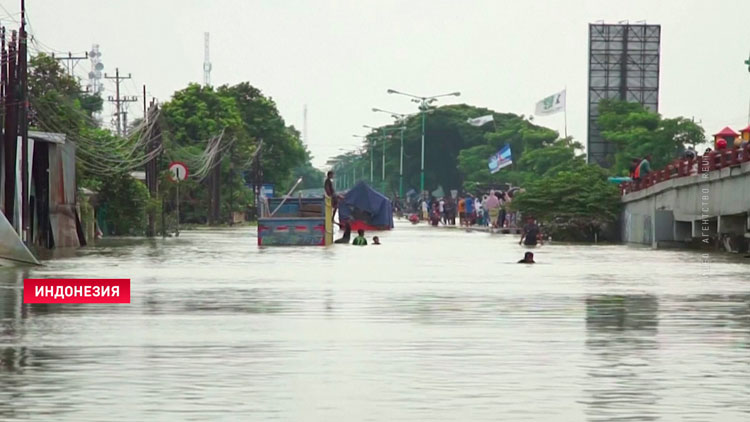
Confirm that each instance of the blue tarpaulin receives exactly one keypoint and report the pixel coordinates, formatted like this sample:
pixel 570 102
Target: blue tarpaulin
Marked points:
pixel 365 203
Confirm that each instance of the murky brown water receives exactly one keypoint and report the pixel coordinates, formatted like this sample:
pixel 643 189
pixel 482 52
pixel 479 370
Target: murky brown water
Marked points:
pixel 434 325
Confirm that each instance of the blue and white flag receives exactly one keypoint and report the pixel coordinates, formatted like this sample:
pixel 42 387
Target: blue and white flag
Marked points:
pixel 500 159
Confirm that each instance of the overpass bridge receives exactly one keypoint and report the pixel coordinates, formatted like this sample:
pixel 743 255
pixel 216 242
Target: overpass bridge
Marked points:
pixel 705 200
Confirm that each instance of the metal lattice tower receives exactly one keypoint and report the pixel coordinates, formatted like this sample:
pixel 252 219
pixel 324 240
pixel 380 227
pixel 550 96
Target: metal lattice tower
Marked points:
pixel 624 65
pixel 206 62
pixel 95 85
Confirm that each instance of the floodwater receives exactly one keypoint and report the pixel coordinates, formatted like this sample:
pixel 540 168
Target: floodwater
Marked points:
pixel 433 325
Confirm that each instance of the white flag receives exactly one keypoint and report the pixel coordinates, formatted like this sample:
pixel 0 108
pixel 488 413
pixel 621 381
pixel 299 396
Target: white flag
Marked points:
pixel 551 104
pixel 479 121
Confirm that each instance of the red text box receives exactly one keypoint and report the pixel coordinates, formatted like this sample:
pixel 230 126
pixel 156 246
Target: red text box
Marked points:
pixel 76 290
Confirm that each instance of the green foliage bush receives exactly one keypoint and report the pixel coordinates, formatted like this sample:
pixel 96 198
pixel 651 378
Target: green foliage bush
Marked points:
pixel 126 200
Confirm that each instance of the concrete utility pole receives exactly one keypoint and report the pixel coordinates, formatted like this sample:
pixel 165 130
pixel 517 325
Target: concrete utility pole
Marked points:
pixel 119 101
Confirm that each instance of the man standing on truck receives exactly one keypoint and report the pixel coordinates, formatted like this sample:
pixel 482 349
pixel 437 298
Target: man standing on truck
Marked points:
pixel 328 186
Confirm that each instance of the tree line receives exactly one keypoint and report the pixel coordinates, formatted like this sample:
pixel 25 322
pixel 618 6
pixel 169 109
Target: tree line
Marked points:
pixel 233 118
pixel 559 188
pixel 217 132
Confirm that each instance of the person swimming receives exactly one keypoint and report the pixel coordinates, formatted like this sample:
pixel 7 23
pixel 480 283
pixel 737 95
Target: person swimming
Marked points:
pixel 528 258
pixel 375 240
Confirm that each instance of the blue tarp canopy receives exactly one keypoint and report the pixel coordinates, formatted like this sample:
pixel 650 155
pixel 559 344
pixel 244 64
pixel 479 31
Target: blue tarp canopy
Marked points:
pixel 365 203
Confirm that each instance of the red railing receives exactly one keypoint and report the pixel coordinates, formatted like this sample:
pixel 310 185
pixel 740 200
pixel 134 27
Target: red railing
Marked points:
pixel 715 160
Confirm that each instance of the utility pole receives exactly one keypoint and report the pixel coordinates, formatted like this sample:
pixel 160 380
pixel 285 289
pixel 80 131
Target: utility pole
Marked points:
pixel 10 146
pixel 71 60
pixel 145 116
pixel 3 76
pixel 24 127
pixel 3 114
pixel 117 100
pixel 154 142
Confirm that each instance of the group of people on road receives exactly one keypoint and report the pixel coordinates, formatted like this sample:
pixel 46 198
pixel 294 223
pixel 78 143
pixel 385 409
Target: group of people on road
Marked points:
pixel 489 210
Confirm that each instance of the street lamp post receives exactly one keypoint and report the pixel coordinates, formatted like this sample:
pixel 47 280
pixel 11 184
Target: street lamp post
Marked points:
pixel 371 152
pixel 402 118
pixel 424 105
pixel 383 138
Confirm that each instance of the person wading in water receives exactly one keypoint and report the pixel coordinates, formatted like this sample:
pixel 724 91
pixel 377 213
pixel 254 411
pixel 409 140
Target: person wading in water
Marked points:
pixel 530 233
pixel 360 240
pixel 347 235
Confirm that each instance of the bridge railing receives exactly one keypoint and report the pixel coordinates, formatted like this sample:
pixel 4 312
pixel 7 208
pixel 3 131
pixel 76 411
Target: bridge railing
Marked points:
pixel 714 160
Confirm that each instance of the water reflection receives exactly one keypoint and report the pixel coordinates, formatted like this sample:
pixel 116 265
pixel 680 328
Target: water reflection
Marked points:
pixel 621 351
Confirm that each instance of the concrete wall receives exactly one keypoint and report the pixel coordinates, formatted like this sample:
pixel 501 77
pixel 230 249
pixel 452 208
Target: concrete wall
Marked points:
pixel 698 206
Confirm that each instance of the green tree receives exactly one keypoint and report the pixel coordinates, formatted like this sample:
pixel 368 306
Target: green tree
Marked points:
pixel 637 132
pixel 282 149
pixel 456 152
pixel 124 200
pixel 559 156
pixel 573 204
pixel 245 116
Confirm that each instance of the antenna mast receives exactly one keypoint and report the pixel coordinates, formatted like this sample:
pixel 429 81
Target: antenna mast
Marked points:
pixel 206 62
pixel 304 126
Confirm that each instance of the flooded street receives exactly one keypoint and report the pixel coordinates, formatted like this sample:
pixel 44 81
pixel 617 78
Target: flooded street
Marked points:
pixel 434 325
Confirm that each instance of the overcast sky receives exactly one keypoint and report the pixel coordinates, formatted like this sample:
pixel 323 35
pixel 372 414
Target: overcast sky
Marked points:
pixel 339 57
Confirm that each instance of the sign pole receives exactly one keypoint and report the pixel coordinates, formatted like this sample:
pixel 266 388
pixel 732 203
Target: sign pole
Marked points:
pixel 177 233
pixel 179 173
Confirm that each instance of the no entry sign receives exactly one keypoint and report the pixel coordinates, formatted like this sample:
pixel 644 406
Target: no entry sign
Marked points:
pixel 178 171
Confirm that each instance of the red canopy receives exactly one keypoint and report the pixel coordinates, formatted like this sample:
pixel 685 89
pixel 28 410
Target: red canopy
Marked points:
pixel 747 129
pixel 727 131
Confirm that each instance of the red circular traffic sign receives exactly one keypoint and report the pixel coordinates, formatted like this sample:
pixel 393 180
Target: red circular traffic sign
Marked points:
pixel 178 171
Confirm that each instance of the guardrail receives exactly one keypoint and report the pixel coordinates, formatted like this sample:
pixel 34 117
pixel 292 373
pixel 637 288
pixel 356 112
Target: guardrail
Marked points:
pixel 715 160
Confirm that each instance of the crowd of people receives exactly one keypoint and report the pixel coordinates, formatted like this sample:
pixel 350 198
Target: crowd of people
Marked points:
pixel 641 167
pixel 491 209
